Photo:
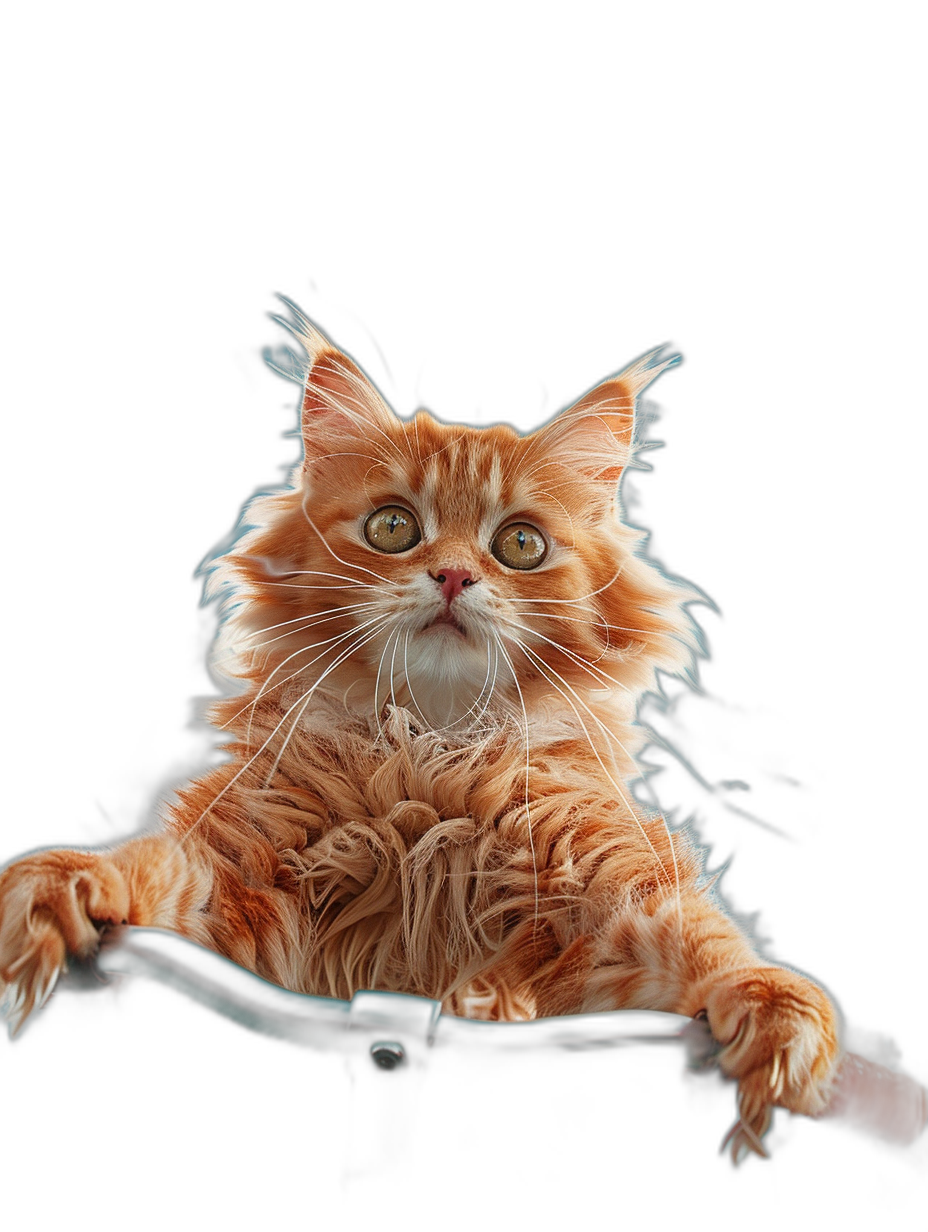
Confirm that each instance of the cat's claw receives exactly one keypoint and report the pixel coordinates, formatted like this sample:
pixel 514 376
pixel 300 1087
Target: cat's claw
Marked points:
pixel 741 1141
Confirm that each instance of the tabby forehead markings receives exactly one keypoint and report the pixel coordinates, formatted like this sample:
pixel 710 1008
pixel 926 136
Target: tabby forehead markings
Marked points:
pixel 459 487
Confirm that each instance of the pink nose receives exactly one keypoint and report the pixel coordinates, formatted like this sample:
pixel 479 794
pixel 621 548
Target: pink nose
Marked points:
pixel 453 581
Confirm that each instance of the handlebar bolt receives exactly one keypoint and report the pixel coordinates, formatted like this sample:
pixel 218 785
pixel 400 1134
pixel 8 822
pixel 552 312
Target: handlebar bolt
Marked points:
pixel 387 1058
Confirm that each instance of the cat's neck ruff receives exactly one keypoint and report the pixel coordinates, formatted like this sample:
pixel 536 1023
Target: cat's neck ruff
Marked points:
pixel 542 724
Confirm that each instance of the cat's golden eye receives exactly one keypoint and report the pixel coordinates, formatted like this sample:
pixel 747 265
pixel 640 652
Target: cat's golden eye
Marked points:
pixel 519 546
pixel 392 529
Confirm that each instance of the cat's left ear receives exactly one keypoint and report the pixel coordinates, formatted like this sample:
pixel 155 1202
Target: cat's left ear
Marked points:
pixel 596 433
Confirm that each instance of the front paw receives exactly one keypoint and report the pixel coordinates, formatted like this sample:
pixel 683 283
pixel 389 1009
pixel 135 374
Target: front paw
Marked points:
pixel 52 904
pixel 778 1037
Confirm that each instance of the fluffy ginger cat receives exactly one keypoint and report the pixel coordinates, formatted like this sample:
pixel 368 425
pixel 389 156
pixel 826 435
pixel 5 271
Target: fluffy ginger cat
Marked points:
pixel 441 635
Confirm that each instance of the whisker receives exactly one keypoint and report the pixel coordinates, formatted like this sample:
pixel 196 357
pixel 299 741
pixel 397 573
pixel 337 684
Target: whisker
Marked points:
pixel 591 668
pixel 573 532
pixel 578 621
pixel 599 675
pixel 554 616
pixel 323 573
pixel 470 709
pixel 393 669
pixel 478 717
pixel 412 695
pixel 415 424
pixel 595 410
pixel 305 586
pixel 528 814
pixel 345 453
pixel 234 654
pixel 575 602
pixel 436 452
pixel 329 614
pixel 542 666
pixel 308 694
pixel 337 639
pixel 302 700
pixel 377 706
pixel 328 671
pixel 334 554
pixel 293 632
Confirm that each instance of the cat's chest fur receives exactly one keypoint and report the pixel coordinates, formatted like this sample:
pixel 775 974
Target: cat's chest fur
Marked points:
pixel 422 859
pixel 397 768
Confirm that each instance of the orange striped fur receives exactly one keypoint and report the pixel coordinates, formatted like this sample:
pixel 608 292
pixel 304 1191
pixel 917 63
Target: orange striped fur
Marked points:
pixel 427 788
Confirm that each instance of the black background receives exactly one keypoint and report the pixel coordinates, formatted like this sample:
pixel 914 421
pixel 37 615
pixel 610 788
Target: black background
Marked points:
pixel 149 417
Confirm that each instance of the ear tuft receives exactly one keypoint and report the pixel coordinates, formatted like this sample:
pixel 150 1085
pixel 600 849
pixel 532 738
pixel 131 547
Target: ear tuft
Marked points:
pixel 639 374
pixel 291 364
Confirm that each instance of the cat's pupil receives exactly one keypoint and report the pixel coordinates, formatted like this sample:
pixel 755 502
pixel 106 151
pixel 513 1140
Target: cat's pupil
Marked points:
pixel 521 540
pixel 394 520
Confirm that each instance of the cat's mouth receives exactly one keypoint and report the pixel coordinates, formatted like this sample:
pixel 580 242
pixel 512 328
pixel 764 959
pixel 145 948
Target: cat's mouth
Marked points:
pixel 445 620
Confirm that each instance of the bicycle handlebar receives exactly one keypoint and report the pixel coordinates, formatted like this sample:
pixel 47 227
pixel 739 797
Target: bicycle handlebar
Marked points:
pixel 274 1013
pixel 398 1031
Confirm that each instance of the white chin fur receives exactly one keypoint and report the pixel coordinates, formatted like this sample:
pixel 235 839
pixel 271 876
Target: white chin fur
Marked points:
pixel 446 673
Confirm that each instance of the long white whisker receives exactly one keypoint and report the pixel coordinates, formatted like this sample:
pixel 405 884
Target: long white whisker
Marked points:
pixel 236 653
pixel 344 607
pixel 528 814
pixel 292 633
pixel 542 666
pixel 412 695
pixel 333 553
pixel 435 454
pixel 576 602
pixel 483 710
pixel 383 655
pixel 415 424
pixel 345 453
pixel 304 699
pixel 393 669
pixel 331 668
pixel 304 586
pixel 336 640
pixel 577 621
pixel 471 709
pixel 573 532
pixel 590 668
pixel 554 616
pixel 322 573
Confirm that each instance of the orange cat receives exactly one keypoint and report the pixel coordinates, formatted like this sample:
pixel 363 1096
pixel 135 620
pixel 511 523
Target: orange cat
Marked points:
pixel 442 635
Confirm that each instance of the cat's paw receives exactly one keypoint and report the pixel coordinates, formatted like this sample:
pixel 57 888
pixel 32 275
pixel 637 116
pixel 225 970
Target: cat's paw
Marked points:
pixel 52 904
pixel 778 1037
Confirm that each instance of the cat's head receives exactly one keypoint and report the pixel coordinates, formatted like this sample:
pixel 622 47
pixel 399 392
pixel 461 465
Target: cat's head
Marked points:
pixel 455 569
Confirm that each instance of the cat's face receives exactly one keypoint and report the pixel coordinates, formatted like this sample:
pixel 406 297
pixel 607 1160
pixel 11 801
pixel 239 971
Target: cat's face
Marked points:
pixel 463 548
pixel 452 567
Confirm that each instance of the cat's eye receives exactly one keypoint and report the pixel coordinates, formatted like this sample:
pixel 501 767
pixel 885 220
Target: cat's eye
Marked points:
pixel 519 546
pixel 392 529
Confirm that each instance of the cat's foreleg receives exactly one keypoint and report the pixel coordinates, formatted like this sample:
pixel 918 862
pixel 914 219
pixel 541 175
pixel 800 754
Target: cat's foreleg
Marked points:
pixel 777 1030
pixel 58 903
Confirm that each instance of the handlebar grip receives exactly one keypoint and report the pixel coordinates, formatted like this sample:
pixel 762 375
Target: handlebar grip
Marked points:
pixel 885 1108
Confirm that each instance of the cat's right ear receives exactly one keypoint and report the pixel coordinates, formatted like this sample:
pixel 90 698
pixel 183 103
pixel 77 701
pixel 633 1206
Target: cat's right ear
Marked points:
pixel 340 405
